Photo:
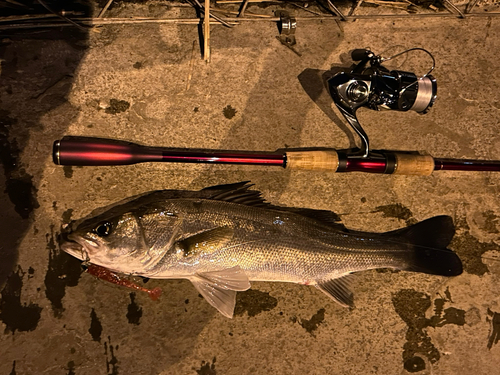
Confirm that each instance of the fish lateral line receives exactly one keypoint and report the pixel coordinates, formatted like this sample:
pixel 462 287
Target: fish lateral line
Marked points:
pixel 114 278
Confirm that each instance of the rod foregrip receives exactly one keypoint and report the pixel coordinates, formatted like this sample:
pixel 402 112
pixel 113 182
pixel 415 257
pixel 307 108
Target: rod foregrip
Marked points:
pixel 414 165
pixel 327 161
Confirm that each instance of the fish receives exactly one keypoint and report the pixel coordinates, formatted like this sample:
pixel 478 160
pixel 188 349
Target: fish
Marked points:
pixel 223 237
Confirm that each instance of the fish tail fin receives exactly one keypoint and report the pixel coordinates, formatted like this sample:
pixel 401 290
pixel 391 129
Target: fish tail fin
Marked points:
pixel 428 241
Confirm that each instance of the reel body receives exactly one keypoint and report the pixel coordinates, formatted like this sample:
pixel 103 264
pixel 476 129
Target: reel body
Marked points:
pixel 377 88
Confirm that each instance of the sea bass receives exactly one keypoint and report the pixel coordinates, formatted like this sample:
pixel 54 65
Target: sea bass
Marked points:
pixel 222 237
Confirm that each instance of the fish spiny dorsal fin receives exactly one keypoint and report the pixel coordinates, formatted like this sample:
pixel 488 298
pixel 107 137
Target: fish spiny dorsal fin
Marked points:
pixel 237 193
pixel 339 289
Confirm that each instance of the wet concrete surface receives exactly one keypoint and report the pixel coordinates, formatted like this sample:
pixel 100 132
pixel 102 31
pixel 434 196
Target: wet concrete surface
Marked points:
pixel 129 83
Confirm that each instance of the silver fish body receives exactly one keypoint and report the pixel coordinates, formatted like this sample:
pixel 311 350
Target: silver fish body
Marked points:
pixel 223 237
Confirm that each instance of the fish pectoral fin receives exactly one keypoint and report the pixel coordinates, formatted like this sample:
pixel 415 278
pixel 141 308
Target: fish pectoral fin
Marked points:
pixel 219 288
pixel 206 242
pixel 339 289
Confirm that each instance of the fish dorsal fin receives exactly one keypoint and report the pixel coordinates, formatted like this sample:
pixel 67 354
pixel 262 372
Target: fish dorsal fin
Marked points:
pixel 237 193
pixel 227 187
pixel 240 193
pixel 329 218
pixel 205 242
pixel 339 289
pixel 219 288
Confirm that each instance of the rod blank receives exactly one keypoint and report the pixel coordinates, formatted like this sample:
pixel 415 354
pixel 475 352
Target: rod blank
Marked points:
pixel 84 151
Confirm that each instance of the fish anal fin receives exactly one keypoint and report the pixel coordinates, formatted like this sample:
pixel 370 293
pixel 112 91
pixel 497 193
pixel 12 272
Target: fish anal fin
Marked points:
pixel 219 288
pixel 205 242
pixel 339 289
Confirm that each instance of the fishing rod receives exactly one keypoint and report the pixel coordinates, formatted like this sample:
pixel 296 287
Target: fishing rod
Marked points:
pixel 374 87
pixel 85 151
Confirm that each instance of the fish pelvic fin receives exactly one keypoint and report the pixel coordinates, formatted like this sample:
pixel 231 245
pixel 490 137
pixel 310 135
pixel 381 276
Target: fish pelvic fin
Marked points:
pixel 427 241
pixel 339 289
pixel 219 288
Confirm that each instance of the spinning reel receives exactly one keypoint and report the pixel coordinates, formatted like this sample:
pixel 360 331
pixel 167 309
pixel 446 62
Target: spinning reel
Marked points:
pixel 376 87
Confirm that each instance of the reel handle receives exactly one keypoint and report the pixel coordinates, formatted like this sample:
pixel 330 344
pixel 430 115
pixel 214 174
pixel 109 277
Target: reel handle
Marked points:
pixel 360 54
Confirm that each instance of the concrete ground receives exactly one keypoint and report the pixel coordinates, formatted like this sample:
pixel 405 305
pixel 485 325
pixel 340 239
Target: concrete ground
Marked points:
pixel 129 82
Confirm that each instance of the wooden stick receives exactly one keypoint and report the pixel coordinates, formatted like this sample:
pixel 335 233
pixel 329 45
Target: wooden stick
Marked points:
pixel 392 4
pixel 358 4
pixel 250 1
pixel 243 8
pixel 387 3
pixel 206 34
pixel 306 9
pixel 471 4
pixel 453 7
pixel 17 3
pixel 105 8
pixel 233 21
pixel 335 10
pixel 191 64
pixel 236 13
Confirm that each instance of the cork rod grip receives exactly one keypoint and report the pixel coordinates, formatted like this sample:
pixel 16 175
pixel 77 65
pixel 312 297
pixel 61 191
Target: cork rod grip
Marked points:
pixel 313 160
pixel 414 165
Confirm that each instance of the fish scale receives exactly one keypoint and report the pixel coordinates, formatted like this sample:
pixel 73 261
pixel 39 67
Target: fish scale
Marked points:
pixel 221 238
pixel 267 251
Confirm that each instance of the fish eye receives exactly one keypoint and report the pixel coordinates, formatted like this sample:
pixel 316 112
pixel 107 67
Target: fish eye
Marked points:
pixel 103 229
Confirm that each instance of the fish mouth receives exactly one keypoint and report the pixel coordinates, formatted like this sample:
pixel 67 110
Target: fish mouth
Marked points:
pixel 70 244
pixel 74 248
